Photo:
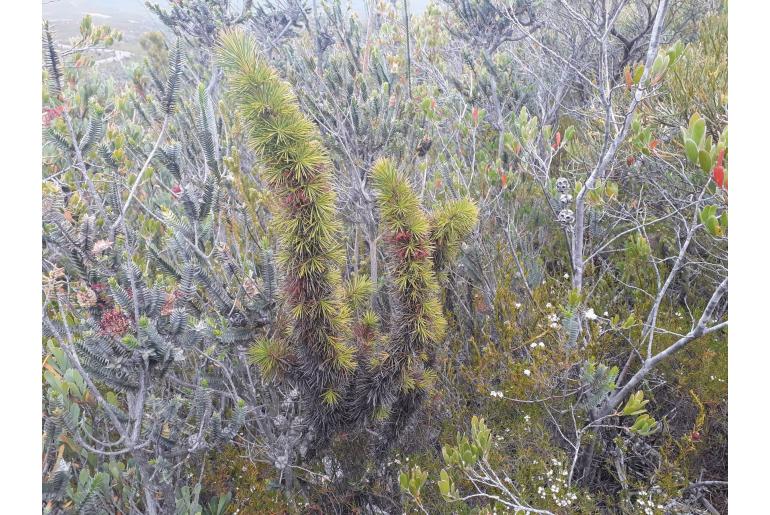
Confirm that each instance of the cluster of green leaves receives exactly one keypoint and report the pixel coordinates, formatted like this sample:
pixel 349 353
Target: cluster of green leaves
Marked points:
pixel 699 146
pixel 644 424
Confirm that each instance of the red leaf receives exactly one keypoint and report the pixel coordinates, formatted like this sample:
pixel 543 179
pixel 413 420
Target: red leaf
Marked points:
pixel 719 171
pixel 719 176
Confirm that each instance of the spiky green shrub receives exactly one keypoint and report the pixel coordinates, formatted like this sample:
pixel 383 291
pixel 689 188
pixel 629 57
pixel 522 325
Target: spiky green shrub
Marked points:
pixel 417 323
pixel 317 353
pixel 299 172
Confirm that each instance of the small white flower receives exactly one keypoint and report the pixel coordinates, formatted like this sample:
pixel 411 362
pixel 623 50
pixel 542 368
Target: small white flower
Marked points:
pixel 549 305
pixel 526 418
pixel 518 305
pixel 541 345
pixel 527 372
pixel 589 314
pixel 606 314
pixel 566 276
pixel 533 345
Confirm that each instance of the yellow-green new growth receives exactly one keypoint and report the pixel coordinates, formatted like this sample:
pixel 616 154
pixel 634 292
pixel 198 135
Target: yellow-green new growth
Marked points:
pixel 408 232
pixel 358 290
pixel 452 222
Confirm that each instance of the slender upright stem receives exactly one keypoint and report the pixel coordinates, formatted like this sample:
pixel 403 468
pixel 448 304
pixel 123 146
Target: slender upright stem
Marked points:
pixel 578 262
pixel 408 51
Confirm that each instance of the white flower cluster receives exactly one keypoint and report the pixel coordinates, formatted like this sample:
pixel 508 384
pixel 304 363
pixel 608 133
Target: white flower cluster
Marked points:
pixel 646 502
pixel 535 345
pixel 496 393
pixel 556 485
pixel 553 318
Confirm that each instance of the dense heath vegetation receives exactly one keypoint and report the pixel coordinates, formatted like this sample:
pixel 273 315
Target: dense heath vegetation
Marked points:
pixel 469 261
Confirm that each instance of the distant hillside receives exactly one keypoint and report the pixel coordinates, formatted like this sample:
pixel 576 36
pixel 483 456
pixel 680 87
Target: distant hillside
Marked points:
pixel 132 18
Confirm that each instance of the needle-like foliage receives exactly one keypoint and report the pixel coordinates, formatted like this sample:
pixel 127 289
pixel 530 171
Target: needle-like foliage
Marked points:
pixel 318 353
pixel 299 172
